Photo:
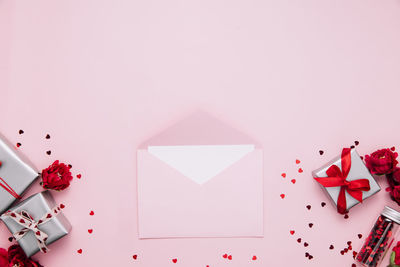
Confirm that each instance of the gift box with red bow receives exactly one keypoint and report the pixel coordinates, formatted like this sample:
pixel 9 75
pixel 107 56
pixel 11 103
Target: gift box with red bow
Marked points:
pixel 347 180
pixel 16 174
pixel 36 222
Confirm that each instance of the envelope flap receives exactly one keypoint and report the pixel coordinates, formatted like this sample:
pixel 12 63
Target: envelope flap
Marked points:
pixel 199 129
pixel 200 163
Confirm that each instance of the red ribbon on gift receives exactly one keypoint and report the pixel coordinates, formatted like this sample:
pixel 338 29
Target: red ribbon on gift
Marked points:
pixel 337 177
pixel 9 189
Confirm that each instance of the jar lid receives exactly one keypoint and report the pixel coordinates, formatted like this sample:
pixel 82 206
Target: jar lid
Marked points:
pixel 392 214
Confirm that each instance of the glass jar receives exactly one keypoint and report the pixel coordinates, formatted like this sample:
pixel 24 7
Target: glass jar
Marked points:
pixel 380 239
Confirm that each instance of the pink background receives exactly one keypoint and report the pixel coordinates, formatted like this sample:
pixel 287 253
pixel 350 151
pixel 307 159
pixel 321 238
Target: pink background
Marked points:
pixel 103 76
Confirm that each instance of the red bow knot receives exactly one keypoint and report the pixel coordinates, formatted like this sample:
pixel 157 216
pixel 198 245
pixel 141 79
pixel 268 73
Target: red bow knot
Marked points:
pixel 337 177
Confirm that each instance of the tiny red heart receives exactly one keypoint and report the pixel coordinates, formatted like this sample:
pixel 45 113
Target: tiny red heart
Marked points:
pixel 18 144
pixel 254 258
pixel 282 196
pixel 300 170
pixel 359 236
pixel 292 232
pixel 90 231
pixel 79 251
pixel 293 181
pixel 79 176
pixel 174 260
pixel 230 257
pixel 331 247
pixel 297 161
pixel 134 257
pixel 305 244
pixel 91 213
pixel 49 216
pixel 283 175
pixel 38 233
pixel 22 221
pixel 225 256
pixel 62 206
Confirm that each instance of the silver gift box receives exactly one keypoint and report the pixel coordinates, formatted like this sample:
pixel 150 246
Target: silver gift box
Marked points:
pixel 358 170
pixel 16 171
pixel 37 206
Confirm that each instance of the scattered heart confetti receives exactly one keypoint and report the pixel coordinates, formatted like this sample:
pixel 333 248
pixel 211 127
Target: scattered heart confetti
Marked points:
pixel 331 247
pixel 47 136
pixel 297 161
pixel 283 175
pixel 321 152
pixel 308 207
pixel 230 257
pixel 323 204
pixel 354 254
pixel 91 213
pixel 298 240
pixel 174 260
pixel 342 252
pixel 310 257
pixel 70 166
pixel 134 257
pixel 305 244
pixel 254 258
pixel 293 181
pixel 352 147
pixel 349 243
pixel 292 232
pixel 19 144
pixel 300 170
pixel 21 131
pixel 393 148
pixel 90 231
pixel 353 265
pixel 11 239
pixel 48 152
pixel 307 254
pixel 282 196
pixel 346 216
pixel 225 256
pixel 356 143
pixel 310 225
pixel 79 176
pixel 359 236
pixel 79 251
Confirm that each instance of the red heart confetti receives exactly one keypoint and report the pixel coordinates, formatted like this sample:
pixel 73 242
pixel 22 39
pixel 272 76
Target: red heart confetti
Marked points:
pixel 297 161
pixel 352 147
pixel 254 258
pixel 356 143
pixel 331 247
pixel 79 251
pixel 292 232
pixel 47 136
pixel 310 225
pixel 353 265
pixel 321 152
pixel 11 239
pixel 19 144
pixel 293 181
pixel 48 152
pixel 225 256
pixel 359 236
pixel 283 175
pixel 282 196
pixel 174 260
pixel 134 257
pixel 346 216
pixel 323 204
pixel 62 206
pixel 393 148
pixel 79 176
pixel 21 131
pixel 300 170
pixel 308 207
pixel 298 240
pixel 91 213
pixel 305 244
pixel 90 231
pixel 230 257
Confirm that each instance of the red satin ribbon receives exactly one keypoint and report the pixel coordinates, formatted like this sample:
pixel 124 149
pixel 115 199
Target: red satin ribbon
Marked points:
pixel 9 189
pixel 337 177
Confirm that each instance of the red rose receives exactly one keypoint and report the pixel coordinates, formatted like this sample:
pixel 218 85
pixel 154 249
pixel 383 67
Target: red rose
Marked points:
pixel 3 258
pixel 17 257
pixel 396 250
pixel 382 161
pixel 57 176
pixel 395 193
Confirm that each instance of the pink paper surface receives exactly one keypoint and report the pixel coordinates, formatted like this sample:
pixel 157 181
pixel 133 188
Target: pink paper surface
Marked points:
pixel 101 77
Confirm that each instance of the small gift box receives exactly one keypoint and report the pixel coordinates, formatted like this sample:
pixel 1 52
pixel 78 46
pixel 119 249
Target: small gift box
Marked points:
pixel 16 174
pixel 347 180
pixel 36 222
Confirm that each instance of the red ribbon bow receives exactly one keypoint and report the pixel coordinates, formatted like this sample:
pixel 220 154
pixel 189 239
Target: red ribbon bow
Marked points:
pixel 337 177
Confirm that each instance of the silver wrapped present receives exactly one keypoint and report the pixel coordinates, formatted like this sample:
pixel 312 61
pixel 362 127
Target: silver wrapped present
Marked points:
pixel 353 177
pixel 16 174
pixel 36 222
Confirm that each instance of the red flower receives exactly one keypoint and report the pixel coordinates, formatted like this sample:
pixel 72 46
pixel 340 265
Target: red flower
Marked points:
pixel 57 176
pixel 17 257
pixel 395 193
pixel 3 258
pixel 382 161
pixel 396 250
